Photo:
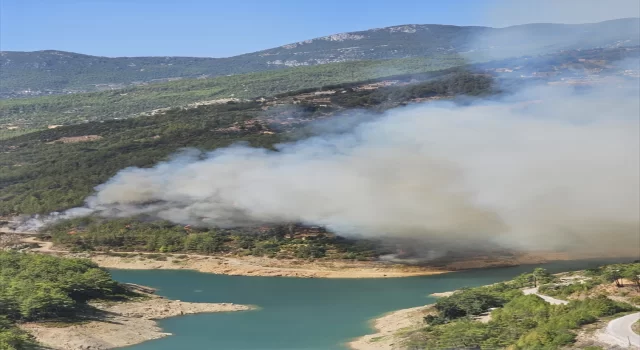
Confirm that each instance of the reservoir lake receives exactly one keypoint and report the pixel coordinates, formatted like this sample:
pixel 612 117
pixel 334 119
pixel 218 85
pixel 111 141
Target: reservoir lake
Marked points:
pixel 300 313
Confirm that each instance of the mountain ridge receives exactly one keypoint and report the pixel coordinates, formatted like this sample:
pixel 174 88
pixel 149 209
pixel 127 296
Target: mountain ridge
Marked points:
pixel 52 71
pixel 394 27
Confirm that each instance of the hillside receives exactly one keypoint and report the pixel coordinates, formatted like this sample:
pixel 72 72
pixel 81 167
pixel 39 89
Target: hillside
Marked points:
pixel 56 169
pixel 18 116
pixel 68 109
pixel 50 72
pixel 535 310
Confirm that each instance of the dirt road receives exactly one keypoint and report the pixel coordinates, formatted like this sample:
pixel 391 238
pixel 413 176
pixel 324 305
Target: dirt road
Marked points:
pixel 45 247
pixel 548 299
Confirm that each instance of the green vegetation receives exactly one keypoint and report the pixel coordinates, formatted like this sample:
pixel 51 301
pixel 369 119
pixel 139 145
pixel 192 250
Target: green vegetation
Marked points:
pixel 517 322
pixel 461 83
pixel 7 134
pixel 40 175
pixel 278 241
pixel 13 338
pixel 35 113
pixel 472 302
pixel 536 278
pixel 41 287
pixel 59 71
pixel 616 273
pixel 74 108
pixel 67 71
pixel 564 291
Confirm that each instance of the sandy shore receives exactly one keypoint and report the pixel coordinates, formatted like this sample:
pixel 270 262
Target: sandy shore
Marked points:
pixel 120 324
pixel 262 266
pixel 243 266
pixel 388 326
pixel 255 266
pixel 442 294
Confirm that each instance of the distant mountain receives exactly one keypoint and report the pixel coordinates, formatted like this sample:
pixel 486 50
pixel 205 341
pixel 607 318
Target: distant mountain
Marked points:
pixel 42 72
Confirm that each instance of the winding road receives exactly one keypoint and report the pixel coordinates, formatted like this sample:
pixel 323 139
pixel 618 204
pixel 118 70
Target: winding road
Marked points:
pixel 45 247
pixel 548 299
pixel 620 330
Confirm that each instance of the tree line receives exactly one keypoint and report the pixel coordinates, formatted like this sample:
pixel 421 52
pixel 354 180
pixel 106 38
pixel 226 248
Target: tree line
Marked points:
pixel 285 241
pixel 41 287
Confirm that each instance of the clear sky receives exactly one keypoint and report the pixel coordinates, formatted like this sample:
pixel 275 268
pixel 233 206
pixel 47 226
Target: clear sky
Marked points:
pixel 224 28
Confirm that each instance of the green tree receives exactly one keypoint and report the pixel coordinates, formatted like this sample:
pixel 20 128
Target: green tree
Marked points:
pixel 541 276
pixel 613 274
pixel 632 273
pixel 524 280
pixel 11 338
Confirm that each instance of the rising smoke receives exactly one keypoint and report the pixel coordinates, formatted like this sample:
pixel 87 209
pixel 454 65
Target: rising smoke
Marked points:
pixel 559 170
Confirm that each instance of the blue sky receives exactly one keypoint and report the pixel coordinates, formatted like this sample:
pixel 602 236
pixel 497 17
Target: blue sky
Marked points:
pixel 224 28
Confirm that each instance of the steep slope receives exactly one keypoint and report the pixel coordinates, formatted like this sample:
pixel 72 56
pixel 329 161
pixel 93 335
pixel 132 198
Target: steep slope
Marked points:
pixel 21 115
pixel 43 72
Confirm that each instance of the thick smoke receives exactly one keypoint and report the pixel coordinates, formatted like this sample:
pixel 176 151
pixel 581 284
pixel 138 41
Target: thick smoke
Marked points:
pixel 558 170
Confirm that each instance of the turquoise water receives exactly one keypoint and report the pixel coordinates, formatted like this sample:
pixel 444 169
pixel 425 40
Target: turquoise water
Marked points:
pixel 297 313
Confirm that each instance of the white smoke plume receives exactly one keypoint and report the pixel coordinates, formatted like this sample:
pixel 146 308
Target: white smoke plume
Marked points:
pixel 37 222
pixel 561 170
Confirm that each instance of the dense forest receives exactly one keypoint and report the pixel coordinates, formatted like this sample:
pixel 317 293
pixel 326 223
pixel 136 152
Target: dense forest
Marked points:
pixel 518 321
pixel 461 83
pixel 274 241
pixel 45 174
pixel 42 287
pixel 42 173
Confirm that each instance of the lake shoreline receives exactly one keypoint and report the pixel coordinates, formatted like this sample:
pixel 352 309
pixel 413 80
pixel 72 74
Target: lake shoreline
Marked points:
pixel 300 268
pixel 269 267
pixel 120 324
pixel 320 313
pixel 266 267
pixel 386 327
pixel 242 265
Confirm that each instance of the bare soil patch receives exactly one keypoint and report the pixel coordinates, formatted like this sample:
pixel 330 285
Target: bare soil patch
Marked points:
pixel 75 139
